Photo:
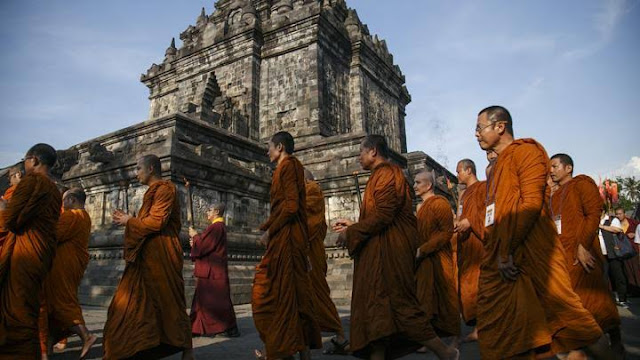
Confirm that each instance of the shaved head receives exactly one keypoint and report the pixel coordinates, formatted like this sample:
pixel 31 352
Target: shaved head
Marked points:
pixel 77 193
pixel 152 162
pixel 498 113
pixel 220 206
pixel 45 154
pixel 468 164
pixel 308 175
pixel 427 176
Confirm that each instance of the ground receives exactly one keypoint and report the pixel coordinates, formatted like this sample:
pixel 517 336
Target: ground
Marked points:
pixel 242 347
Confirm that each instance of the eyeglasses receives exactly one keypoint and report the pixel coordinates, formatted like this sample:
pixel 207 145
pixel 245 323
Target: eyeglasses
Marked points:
pixel 28 157
pixel 480 129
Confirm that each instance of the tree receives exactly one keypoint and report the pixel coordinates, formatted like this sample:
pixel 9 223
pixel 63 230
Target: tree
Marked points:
pixel 629 192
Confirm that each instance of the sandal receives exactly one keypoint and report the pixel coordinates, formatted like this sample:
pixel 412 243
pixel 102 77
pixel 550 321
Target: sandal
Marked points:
pixel 259 355
pixel 338 348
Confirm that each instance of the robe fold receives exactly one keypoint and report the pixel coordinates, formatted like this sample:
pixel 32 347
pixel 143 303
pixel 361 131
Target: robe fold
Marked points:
pixel 435 277
pixel 383 243
pixel 25 258
pixel 471 249
pixel 282 299
pixel 7 196
pixel 540 307
pixel 324 308
pixel 62 282
pixel 211 310
pixel 579 206
pixel 147 316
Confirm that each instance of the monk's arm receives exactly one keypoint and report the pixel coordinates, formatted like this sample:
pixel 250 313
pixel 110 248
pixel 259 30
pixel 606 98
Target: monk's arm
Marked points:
pixel 379 217
pixel 289 207
pixel 444 217
pixel 205 243
pixel 23 205
pixel 532 176
pixel 64 227
pixel 158 214
pixel 591 209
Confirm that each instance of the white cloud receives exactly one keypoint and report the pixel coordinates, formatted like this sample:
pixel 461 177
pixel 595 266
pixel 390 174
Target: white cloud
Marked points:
pixel 630 168
pixel 605 22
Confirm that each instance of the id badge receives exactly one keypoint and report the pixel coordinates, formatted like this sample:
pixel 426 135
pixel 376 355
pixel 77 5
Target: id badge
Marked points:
pixel 489 215
pixel 558 221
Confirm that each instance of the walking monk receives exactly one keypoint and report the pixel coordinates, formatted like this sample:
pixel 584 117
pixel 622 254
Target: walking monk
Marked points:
pixel 576 207
pixel 470 229
pixel 147 317
pixel 282 299
pixel 212 310
pixel 435 276
pixel 386 318
pixel 324 308
pixel 62 282
pixel 30 220
pixel 525 299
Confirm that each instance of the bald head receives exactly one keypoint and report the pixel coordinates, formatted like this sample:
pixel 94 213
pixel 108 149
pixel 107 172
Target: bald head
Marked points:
pixel 74 198
pixel 220 207
pixel 308 175
pixel 148 169
pixel 424 183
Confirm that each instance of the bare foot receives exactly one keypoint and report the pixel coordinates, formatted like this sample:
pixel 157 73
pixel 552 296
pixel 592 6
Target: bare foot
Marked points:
pixel 259 355
pixel 91 339
pixel 59 347
pixel 455 355
pixel 187 354
pixel 577 355
pixel 472 337
pixel 422 350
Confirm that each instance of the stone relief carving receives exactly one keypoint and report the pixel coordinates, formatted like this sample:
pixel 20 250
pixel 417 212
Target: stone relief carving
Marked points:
pixel 98 153
pixel 66 159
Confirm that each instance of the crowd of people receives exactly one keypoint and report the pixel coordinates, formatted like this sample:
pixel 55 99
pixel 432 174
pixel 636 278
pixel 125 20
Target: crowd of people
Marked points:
pixel 528 258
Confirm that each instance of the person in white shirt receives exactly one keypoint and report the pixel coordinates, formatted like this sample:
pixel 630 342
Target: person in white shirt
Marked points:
pixel 610 227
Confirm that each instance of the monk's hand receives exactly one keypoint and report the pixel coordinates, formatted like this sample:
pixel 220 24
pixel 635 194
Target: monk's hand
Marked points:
pixel 342 240
pixel 341 225
pixel 120 217
pixel 264 239
pixel 508 269
pixel 462 226
pixel 192 231
pixel 585 259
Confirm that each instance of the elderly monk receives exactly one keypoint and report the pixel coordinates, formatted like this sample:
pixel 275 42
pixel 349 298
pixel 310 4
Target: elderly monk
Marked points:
pixel 387 320
pixel 435 275
pixel 212 310
pixel 575 208
pixel 30 219
pixel 470 230
pixel 324 308
pixel 72 257
pixel 147 317
pixel 282 298
pixel 525 299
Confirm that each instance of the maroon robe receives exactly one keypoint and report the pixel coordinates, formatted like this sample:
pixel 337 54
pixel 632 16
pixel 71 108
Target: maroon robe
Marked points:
pixel 211 311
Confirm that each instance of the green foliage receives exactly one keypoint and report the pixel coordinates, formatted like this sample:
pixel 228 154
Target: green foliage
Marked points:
pixel 629 192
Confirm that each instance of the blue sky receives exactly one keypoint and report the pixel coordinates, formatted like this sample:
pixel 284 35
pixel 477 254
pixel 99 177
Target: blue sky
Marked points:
pixel 568 71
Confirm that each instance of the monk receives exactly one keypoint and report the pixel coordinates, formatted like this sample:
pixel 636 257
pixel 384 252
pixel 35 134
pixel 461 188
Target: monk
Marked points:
pixel 15 175
pixel 282 300
pixel 576 207
pixel 525 301
pixel 212 310
pixel 435 276
pixel 324 308
pixel 147 317
pixel 72 257
pixel 470 230
pixel 387 320
pixel 30 220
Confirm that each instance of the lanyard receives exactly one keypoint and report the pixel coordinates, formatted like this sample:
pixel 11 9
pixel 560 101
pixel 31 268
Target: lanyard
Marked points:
pixel 564 195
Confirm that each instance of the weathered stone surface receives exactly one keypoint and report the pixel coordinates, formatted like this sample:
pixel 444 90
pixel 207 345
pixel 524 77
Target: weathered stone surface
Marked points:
pixel 246 71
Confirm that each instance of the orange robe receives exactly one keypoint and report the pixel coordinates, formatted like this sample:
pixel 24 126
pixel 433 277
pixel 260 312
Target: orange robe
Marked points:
pixel 147 316
pixel 7 196
pixel 435 277
pixel 282 300
pixel 579 205
pixel 69 265
pixel 25 259
pixel 471 249
pixel 324 308
pixel 384 306
pixel 519 316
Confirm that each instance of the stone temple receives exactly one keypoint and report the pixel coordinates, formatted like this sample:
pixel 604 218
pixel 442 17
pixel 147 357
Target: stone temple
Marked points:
pixel 247 70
